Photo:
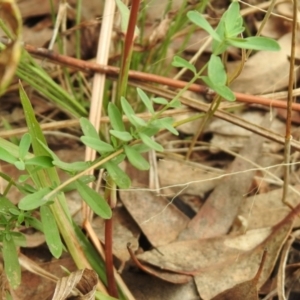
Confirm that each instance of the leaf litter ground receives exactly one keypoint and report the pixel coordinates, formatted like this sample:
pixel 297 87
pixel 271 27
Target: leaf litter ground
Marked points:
pixel 228 210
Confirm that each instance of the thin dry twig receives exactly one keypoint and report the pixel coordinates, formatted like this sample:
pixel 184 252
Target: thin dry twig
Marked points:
pixel 86 66
pixel 288 136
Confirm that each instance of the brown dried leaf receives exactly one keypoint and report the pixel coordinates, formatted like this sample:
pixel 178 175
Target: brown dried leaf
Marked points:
pixel 40 278
pixel 33 8
pixel 147 287
pixel 159 32
pixel 159 220
pixel 173 277
pixel 275 27
pixel 238 257
pixel 265 210
pixel 85 281
pixel 246 290
pixel 180 177
pixel 219 211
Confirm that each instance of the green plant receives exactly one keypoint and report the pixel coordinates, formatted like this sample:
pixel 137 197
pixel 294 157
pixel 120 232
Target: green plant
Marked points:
pixel 125 143
pixel 40 184
pixel 227 33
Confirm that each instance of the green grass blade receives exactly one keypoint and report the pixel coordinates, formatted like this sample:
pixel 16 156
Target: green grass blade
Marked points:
pixel 51 232
pixel 11 261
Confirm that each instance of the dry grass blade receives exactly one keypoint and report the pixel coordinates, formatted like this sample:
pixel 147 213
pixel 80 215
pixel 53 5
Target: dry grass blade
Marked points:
pixel 288 136
pixel 83 281
pixel 99 81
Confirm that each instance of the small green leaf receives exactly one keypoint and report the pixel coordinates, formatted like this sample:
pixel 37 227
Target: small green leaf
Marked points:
pixel 151 129
pixel 160 100
pixel 11 261
pixel 23 178
pixel 34 200
pixel 223 90
pixel 139 121
pixel 35 223
pixel 33 125
pixel 5 205
pixel 125 18
pixel 88 129
pixel 255 43
pixel 118 159
pixel 122 135
pixel 216 71
pixel 200 21
pixel 21 218
pixel 27 188
pixel 235 33
pixel 128 111
pixel 47 150
pixel 69 167
pixel 182 63
pixel 145 100
pixel 94 200
pixel 167 123
pixel 233 20
pixel 136 159
pixel 40 161
pixel 14 211
pixel 115 117
pixel 120 178
pixel 24 145
pixel 7 157
pixel 97 144
pixel 141 148
pixel 151 143
pixel 51 231
pixel 114 141
pixel 84 179
pixel 219 48
pixel 19 239
pixel 175 103
pixel 20 165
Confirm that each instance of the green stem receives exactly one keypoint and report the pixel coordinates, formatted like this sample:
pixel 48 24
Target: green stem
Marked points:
pixel 181 92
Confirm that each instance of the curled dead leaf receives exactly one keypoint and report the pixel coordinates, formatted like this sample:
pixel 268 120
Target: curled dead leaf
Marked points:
pixel 9 55
pixel 81 283
pixel 237 256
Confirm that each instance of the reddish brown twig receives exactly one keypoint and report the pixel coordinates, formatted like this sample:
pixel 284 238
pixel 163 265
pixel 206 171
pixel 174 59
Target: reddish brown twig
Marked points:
pixel 86 66
pixel 111 284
